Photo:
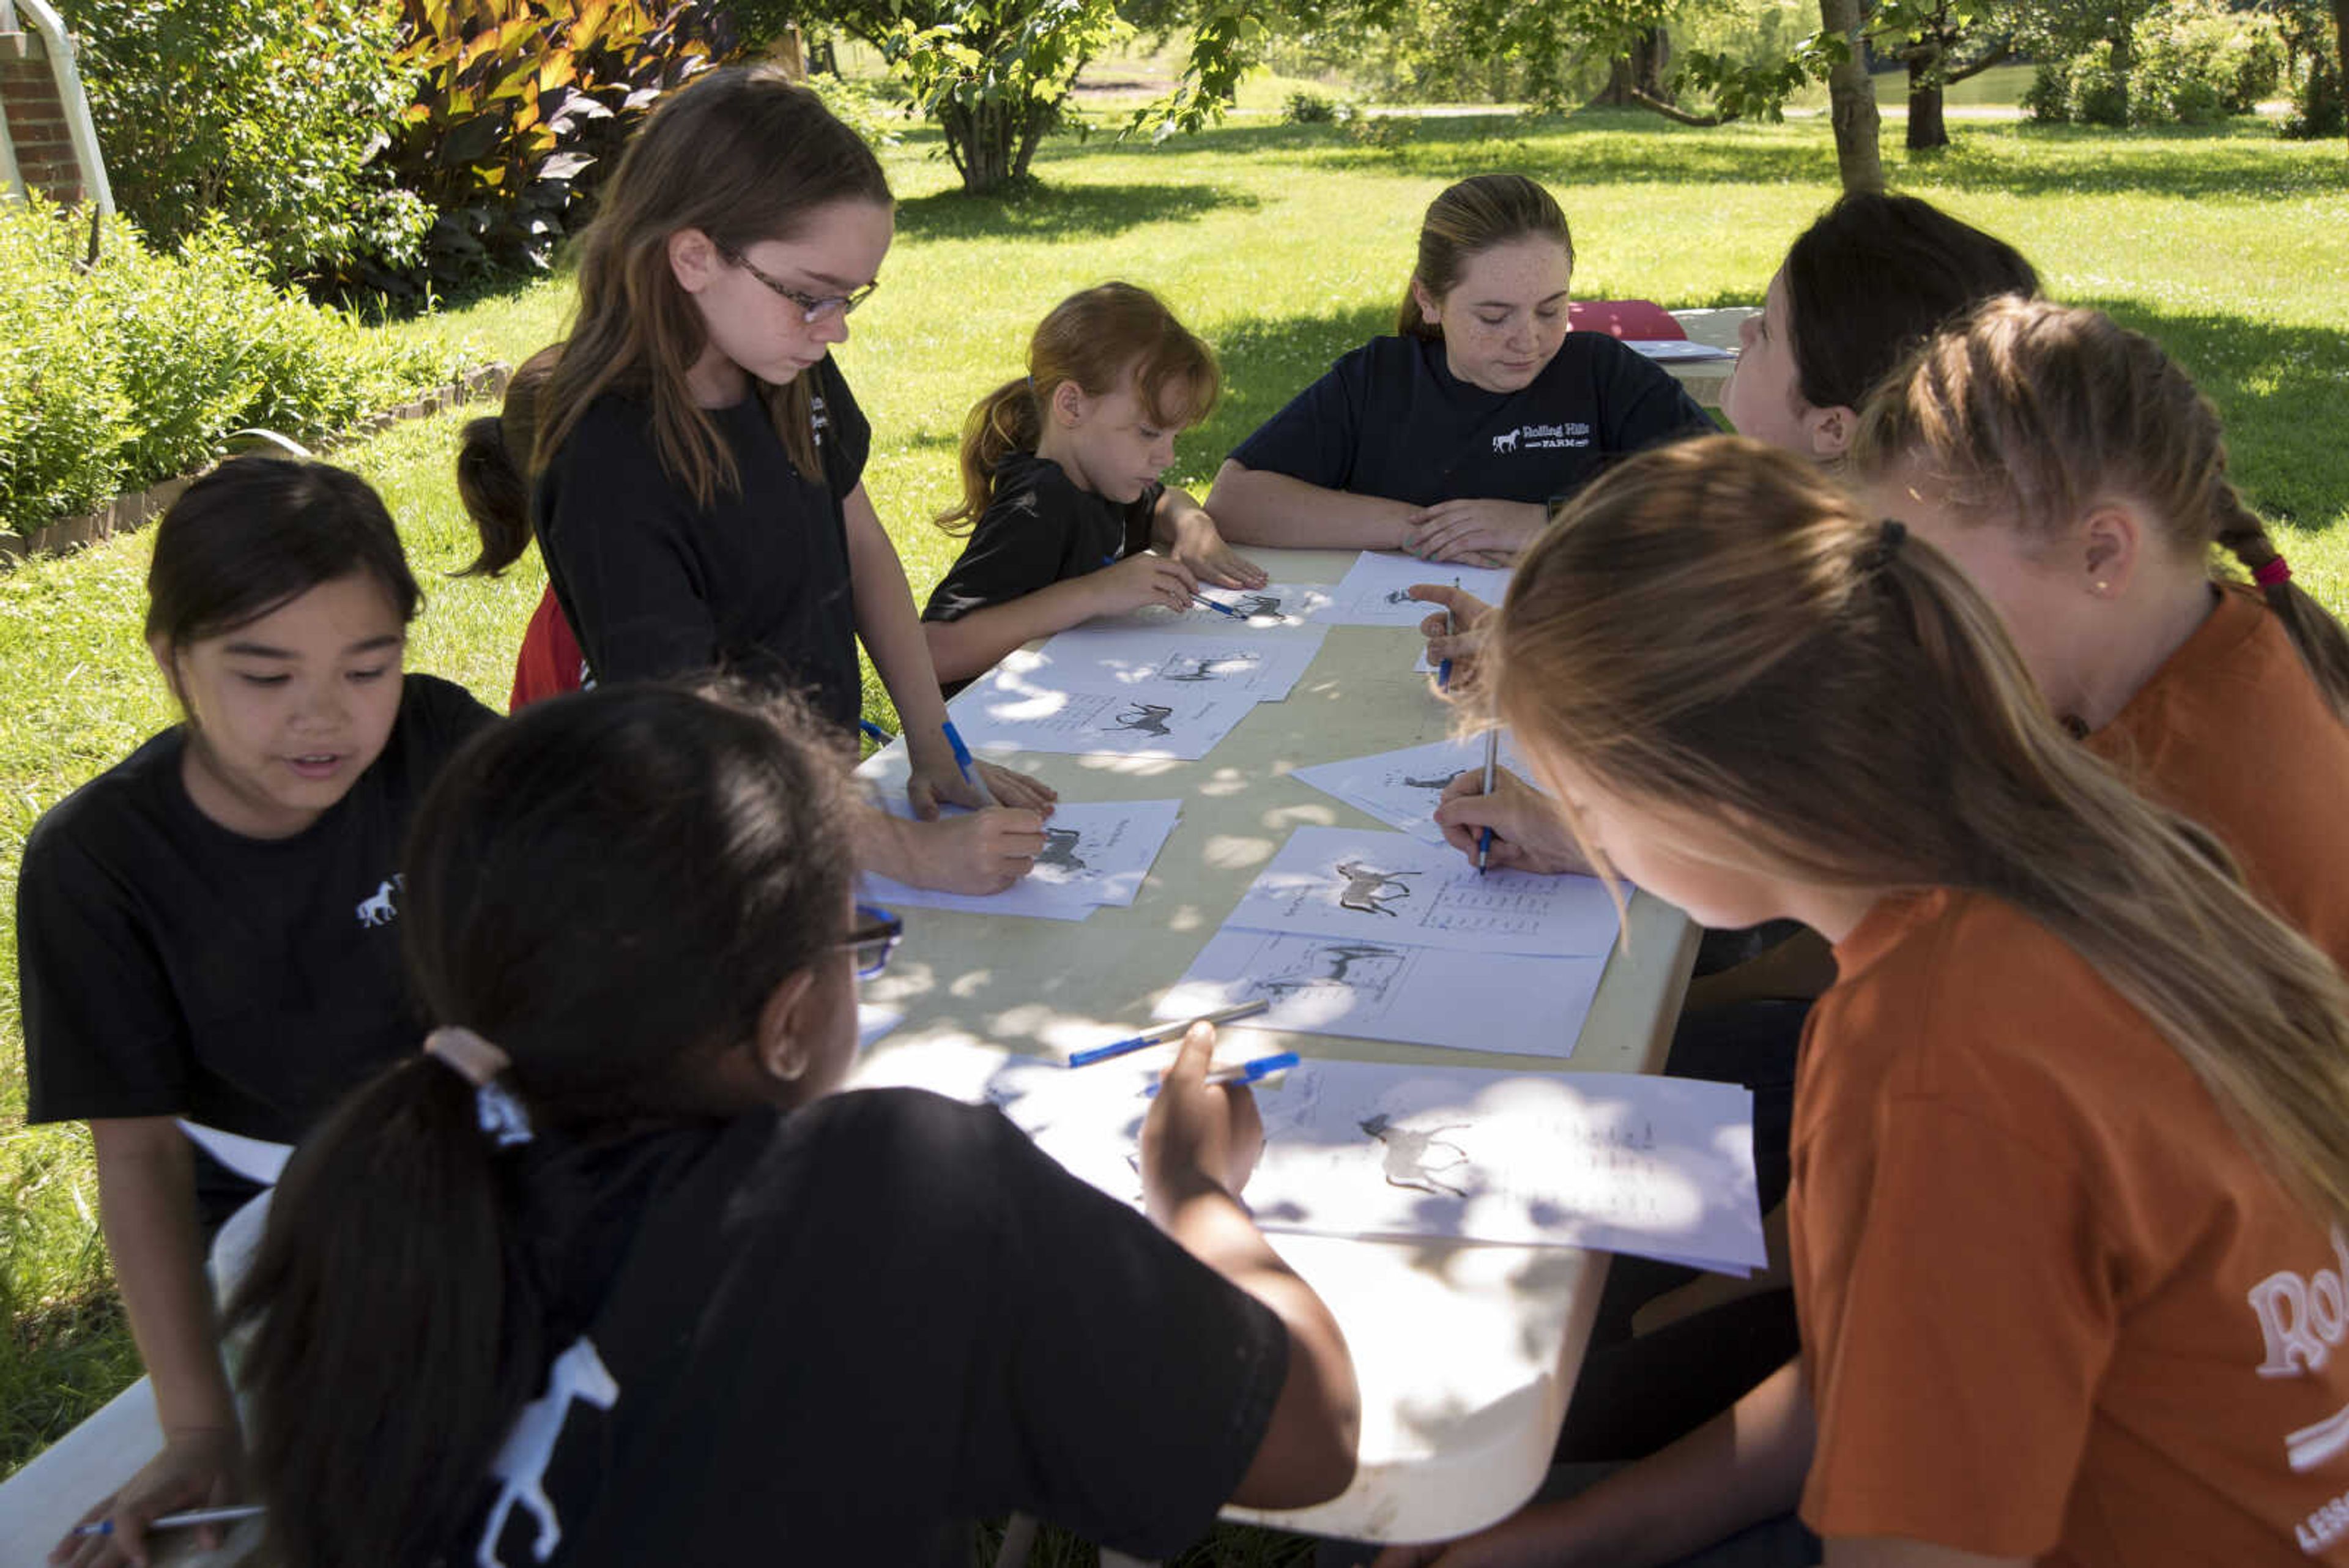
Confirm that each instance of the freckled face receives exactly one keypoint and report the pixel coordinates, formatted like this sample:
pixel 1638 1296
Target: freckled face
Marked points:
pixel 757 330
pixel 287 710
pixel 1115 447
pixel 1505 318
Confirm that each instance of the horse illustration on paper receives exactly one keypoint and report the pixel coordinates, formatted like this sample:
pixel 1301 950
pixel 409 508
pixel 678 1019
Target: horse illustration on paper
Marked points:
pixel 1149 718
pixel 1411 1159
pixel 1327 966
pixel 1060 849
pixel 578 1374
pixel 1439 782
pixel 1366 888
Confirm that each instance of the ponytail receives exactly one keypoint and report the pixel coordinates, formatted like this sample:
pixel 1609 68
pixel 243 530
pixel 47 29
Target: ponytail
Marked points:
pixel 2023 414
pixel 1716 627
pixel 1006 421
pixel 2324 646
pixel 494 464
pixel 401 1329
pixel 1097 337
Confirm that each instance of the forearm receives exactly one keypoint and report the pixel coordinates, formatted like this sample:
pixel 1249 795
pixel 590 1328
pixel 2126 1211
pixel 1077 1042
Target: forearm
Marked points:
pixel 146 1193
pixel 890 632
pixel 1252 506
pixel 976 641
pixel 1744 1466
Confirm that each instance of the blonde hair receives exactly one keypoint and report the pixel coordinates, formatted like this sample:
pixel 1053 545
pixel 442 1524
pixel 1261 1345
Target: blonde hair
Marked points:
pixel 2025 414
pixel 1716 627
pixel 744 155
pixel 1468 219
pixel 1092 339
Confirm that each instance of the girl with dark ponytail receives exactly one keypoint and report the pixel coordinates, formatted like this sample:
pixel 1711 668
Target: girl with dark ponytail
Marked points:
pixel 607 1274
pixel 2074 471
pixel 2070 1146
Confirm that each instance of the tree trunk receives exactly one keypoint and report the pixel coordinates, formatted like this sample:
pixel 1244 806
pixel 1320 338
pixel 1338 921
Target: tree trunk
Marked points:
pixel 1851 100
pixel 2341 43
pixel 1926 128
pixel 2124 42
pixel 1637 78
pixel 991 142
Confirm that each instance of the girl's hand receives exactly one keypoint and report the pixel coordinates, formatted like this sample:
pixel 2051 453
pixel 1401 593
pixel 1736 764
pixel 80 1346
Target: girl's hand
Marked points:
pixel 1201 548
pixel 198 1467
pixel 984 852
pixel 1013 788
pixel 1528 834
pixel 1139 581
pixel 1541 1536
pixel 1462 530
pixel 1196 1131
pixel 1462 643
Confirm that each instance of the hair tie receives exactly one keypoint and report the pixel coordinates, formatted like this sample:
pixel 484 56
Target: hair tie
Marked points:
pixel 1891 534
pixel 2272 573
pixel 483 1065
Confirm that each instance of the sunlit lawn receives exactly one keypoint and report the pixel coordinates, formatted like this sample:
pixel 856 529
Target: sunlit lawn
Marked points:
pixel 1285 245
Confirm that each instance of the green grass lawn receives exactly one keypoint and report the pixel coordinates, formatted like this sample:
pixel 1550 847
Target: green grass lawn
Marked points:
pixel 1285 245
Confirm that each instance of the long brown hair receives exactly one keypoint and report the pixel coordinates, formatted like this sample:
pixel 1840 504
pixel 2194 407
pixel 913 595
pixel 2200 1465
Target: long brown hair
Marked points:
pixel 2024 414
pixel 744 154
pixel 493 467
pixel 609 889
pixel 1716 627
pixel 1092 337
pixel 1468 219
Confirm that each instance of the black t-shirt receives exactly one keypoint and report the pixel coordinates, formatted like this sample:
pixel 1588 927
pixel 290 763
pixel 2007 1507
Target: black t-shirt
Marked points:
pixel 170 967
pixel 1391 419
pixel 757 583
pixel 1039 529
pixel 839 1334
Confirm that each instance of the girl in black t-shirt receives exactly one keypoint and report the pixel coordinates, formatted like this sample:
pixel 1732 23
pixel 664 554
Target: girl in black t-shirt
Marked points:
pixel 1452 438
pixel 1060 491
pixel 696 478
pixel 608 1271
pixel 210 929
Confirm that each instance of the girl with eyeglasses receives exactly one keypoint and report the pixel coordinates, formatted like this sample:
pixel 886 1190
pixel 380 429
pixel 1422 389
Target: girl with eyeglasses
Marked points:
pixel 696 468
pixel 1060 491
pixel 608 1274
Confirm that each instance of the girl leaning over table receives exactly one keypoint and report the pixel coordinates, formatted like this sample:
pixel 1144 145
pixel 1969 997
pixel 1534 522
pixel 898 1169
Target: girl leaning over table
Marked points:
pixel 2071 1152
pixel 607 1272
pixel 209 931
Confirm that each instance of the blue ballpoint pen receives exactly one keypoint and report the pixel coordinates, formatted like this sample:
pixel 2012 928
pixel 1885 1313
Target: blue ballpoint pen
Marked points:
pixel 1162 1034
pixel 1492 757
pixel 192 1518
pixel 875 731
pixel 1245 1073
pixel 969 772
pixel 1443 669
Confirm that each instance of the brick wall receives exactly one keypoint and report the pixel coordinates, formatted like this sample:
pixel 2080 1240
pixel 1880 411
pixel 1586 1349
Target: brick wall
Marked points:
pixel 36 119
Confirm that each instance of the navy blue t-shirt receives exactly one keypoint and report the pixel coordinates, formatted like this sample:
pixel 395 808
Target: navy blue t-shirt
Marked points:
pixel 1039 529
pixel 756 584
pixel 1391 419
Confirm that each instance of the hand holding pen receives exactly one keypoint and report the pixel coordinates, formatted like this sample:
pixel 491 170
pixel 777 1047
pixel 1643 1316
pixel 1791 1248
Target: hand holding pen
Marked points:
pixel 1198 1134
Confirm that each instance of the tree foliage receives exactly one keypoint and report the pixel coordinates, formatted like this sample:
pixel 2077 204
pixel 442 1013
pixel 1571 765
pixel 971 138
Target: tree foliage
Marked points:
pixel 268 112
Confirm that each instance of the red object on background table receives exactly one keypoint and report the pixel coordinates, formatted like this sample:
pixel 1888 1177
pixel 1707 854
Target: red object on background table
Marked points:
pixel 1637 319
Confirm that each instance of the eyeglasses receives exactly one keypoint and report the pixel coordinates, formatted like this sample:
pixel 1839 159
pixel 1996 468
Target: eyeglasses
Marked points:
pixel 811 308
pixel 876 935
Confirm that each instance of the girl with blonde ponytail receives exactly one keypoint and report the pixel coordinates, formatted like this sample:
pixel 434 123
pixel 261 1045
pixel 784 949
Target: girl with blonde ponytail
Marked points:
pixel 2071 1126
pixel 1060 494
pixel 2073 470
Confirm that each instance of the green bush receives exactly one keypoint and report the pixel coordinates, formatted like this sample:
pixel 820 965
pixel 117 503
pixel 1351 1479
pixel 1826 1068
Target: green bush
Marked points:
pixel 267 112
pixel 1305 106
pixel 133 369
pixel 2195 63
pixel 521 108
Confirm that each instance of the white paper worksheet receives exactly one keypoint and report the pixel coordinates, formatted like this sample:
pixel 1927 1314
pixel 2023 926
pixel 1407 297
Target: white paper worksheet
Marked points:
pixel 1632 1163
pixel 1364 989
pixel 1162 664
pixel 1008 713
pixel 1402 788
pixel 1095 853
pixel 1375 590
pixel 1276 606
pixel 1395 888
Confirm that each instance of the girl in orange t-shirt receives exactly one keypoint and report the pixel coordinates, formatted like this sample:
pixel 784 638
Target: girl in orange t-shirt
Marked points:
pixel 2071 468
pixel 2069 1127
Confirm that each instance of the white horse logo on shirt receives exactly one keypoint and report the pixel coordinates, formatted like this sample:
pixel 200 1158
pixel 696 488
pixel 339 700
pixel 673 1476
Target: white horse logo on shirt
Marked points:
pixel 577 1374
pixel 379 909
pixel 1506 442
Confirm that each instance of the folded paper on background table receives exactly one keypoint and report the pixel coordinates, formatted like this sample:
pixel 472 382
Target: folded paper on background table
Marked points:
pixel 1629 1163
pixel 1376 590
pixel 1095 853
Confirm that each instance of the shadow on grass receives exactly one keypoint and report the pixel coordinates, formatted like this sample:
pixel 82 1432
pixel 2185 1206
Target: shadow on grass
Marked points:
pixel 2277 389
pixel 1063 210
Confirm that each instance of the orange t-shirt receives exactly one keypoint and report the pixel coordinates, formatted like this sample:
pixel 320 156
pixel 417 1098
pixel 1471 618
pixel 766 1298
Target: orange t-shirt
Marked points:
pixel 2052 1305
pixel 2234 733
